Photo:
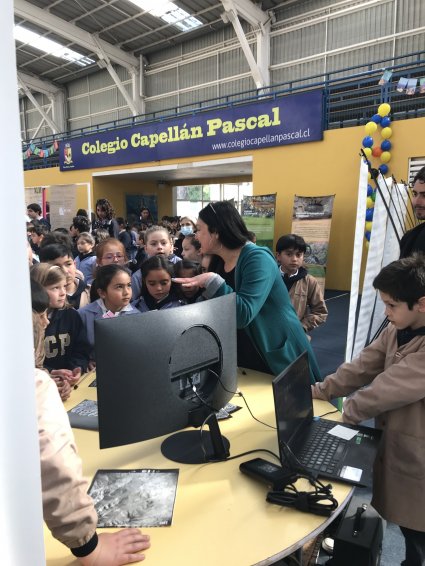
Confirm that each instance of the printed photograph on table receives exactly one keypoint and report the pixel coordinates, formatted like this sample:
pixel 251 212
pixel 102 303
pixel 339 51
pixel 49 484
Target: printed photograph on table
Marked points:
pixel 134 498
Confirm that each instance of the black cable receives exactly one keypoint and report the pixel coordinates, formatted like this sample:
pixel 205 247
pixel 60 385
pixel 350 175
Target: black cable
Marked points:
pixel 240 394
pixel 253 452
pixel 319 501
pixel 328 413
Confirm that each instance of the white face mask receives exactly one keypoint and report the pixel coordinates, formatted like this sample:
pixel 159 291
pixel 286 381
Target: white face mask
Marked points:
pixel 186 230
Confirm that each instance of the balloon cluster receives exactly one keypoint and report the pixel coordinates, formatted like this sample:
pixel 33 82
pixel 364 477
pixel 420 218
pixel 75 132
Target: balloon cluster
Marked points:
pixel 378 150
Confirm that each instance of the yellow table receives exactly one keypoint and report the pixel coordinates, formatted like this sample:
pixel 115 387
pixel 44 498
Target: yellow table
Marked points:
pixel 220 515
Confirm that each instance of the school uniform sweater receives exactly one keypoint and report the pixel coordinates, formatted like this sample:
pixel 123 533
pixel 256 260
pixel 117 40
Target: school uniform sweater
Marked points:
pixel 86 264
pixel 65 343
pixel 94 311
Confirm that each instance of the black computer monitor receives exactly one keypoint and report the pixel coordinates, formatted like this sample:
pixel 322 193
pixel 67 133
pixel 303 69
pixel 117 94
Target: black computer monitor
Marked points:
pixel 162 371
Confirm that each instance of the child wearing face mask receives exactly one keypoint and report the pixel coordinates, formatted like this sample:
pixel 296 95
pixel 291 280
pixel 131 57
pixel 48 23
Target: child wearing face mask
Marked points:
pixel 187 227
pixel 157 243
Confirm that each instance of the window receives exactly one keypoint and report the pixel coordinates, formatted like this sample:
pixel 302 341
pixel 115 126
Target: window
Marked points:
pixel 192 198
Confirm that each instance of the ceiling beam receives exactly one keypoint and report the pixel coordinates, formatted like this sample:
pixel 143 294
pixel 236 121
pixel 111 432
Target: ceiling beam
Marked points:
pixel 39 85
pixel 261 22
pixel 72 33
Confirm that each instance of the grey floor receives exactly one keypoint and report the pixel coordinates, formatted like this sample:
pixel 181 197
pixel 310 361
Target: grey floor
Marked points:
pixel 328 342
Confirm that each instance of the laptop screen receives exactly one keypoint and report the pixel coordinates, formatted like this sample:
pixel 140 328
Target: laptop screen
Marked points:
pixel 292 399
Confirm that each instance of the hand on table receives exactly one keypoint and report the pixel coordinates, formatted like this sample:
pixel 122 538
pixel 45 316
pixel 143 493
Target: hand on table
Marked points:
pixel 116 549
pixel 63 386
pixel 71 376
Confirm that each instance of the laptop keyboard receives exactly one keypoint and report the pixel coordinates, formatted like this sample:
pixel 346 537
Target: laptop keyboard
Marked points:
pixel 322 451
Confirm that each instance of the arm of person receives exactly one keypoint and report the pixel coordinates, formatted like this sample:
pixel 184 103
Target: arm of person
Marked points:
pixel 256 282
pixel 317 312
pixel 67 508
pixel 80 352
pixel 353 375
pixel 398 385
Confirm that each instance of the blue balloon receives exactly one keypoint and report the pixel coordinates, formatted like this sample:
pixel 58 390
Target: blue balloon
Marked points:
pixel 385 122
pixel 376 118
pixel 369 190
pixel 386 145
pixel 369 214
pixel 367 141
pixel 367 235
pixel 383 168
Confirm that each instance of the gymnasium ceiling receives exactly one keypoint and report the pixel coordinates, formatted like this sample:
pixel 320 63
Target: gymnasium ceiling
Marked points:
pixel 119 26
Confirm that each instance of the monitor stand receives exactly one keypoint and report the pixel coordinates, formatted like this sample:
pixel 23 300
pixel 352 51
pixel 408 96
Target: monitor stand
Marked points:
pixel 196 447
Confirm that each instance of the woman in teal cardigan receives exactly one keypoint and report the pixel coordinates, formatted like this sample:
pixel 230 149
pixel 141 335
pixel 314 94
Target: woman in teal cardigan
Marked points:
pixel 272 335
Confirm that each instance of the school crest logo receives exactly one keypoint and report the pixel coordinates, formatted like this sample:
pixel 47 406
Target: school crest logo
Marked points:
pixel 67 154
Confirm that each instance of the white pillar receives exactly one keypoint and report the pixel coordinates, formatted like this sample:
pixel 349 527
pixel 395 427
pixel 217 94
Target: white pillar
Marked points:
pixel 20 488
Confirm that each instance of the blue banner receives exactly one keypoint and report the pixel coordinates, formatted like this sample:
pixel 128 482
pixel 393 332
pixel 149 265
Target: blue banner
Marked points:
pixel 290 119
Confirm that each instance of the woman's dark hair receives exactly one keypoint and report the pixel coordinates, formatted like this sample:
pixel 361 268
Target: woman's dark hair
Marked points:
pixel 105 274
pixel 223 219
pixel 193 241
pixel 61 231
pixel 291 242
pixel 186 264
pixel 106 206
pixel 403 280
pixel 82 212
pixel 39 297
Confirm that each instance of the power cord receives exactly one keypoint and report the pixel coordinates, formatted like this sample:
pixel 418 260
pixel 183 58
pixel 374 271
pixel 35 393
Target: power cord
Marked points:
pixel 318 501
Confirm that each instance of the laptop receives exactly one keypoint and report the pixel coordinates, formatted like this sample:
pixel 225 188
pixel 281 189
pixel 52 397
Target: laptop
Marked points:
pixel 328 449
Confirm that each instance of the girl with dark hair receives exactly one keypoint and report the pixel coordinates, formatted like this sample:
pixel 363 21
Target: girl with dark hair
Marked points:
pixel 191 249
pixel 158 291
pixel 188 268
pixel 113 286
pixel 270 336
pixel 105 218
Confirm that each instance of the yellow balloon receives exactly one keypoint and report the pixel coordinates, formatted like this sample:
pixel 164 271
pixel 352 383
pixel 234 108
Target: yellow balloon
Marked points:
pixel 369 203
pixel 366 243
pixel 368 226
pixel 385 156
pixel 370 128
pixel 384 109
pixel 367 152
pixel 386 133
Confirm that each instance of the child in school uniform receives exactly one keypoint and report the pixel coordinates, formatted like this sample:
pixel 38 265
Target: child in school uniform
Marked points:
pixel 187 268
pixel 304 290
pixel 158 241
pixel 113 285
pixel 158 290
pixel 108 251
pixel 387 382
pixel 76 289
pixel 86 258
pixel 65 343
pixel 191 249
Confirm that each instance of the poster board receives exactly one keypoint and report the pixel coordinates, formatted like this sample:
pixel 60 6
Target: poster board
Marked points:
pixel 258 213
pixel 311 219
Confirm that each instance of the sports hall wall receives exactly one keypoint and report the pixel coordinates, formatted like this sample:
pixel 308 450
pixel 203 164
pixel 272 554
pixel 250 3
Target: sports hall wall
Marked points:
pixel 320 168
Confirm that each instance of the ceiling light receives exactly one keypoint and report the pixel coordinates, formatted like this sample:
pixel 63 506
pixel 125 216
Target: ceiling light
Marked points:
pixel 51 47
pixel 169 12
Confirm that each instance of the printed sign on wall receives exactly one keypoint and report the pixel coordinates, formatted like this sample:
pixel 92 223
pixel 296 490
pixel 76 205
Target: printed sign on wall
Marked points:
pixel 258 213
pixel 289 119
